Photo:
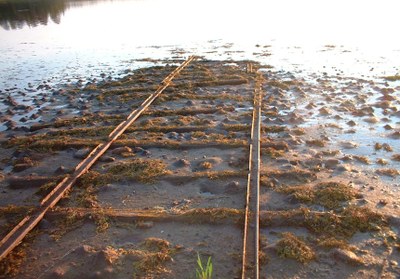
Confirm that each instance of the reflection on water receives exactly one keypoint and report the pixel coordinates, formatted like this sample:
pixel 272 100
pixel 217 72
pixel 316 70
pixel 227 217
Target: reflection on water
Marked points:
pixel 15 14
pixel 73 40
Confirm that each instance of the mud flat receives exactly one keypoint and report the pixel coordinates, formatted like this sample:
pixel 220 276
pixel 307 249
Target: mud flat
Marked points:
pixel 174 185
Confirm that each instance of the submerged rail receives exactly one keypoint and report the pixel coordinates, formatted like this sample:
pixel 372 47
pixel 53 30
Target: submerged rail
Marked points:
pixel 250 263
pixel 17 234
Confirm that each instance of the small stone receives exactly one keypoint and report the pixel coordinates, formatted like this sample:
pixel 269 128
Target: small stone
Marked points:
pixel 120 150
pixel 351 123
pixel 232 187
pixel 59 272
pixel 349 144
pixel 21 129
pixel 347 257
pixel 179 247
pixel 394 220
pixel 60 170
pixel 11 124
pixel 382 162
pixel 364 201
pixel 288 167
pixel 395 135
pixel 146 153
pixel 387 147
pixel 82 153
pixel 107 159
pixel 292 199
pixel 11 102
pixel 84 249
pixel 44 224
pixel 282 161
pixel 182 163
pixel 350 131
pixel 172 135
pixel 344 168
pixel 105 258
pixel 313 162
pixel 388 127
pixel 331 163
pixel 382 202
pixel 324 111
pixel 310 105
pixel 34 116
pixel 138 149
pixel 10 112
pixel 371 120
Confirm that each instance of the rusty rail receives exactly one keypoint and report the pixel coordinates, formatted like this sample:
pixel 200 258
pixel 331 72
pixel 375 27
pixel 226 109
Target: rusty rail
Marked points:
pixel 250 263
pixel 17 234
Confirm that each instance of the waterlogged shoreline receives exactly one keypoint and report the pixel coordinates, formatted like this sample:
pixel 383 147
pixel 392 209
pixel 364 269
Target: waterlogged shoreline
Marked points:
pixel 173 186
pixel 330 179
pixel 29 93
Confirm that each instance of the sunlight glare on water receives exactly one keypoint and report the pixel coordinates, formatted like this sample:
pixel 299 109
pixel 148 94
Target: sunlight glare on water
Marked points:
pixel 182 21
pixel 98 34
pixel 176 21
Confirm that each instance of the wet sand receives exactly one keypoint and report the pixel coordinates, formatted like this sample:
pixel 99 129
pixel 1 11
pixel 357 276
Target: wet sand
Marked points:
pixel 330 175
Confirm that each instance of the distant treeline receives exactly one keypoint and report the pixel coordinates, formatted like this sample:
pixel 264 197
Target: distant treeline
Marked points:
pixel 15 14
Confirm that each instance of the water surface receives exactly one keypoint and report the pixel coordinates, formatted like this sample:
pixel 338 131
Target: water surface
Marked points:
pixel 70 40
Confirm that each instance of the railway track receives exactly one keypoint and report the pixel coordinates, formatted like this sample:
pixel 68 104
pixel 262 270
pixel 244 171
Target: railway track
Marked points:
pixel 250 263
pixel 16 235
pixel 183 181
pixel 220 202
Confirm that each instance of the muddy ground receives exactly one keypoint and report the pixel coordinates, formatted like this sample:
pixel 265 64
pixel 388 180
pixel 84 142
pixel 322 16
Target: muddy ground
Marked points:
pixel 173 186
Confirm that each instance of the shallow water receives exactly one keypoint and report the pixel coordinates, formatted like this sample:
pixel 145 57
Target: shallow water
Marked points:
pixel 63 40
